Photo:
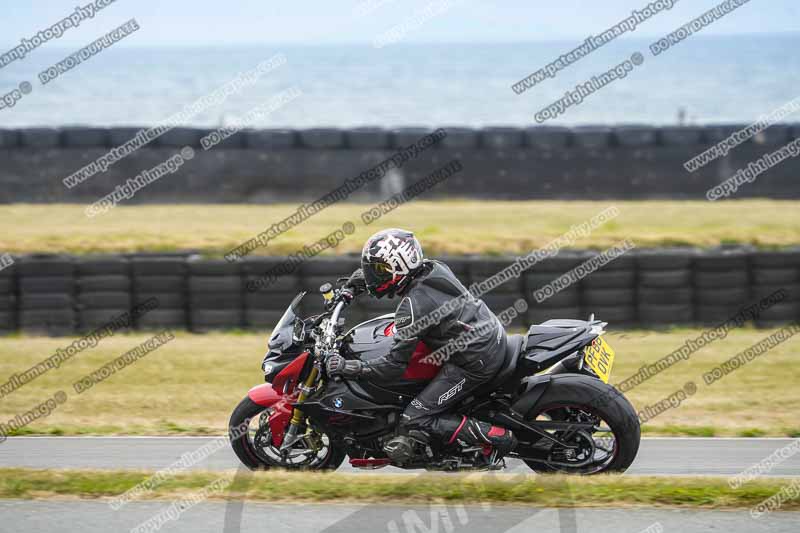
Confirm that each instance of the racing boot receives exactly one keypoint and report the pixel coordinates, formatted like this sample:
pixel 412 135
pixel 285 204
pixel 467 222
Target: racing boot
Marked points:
pixel 480 433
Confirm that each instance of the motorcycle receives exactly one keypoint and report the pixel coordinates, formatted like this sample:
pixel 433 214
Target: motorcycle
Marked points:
pixel 552 392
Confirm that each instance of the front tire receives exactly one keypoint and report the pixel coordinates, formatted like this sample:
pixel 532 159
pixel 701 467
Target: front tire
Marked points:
pixel 575 396
pixel 248 413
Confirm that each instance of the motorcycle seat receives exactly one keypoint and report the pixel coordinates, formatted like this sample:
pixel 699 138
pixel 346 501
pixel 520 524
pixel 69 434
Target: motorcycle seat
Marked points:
pixel 554 334
pixel 514 347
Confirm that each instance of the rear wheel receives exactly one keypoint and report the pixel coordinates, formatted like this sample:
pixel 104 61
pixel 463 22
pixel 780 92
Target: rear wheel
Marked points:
pixel 610 446
pixel 254 448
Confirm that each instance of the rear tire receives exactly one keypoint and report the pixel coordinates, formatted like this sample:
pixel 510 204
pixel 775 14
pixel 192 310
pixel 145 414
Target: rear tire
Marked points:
pixel 601 400
pixel 244 447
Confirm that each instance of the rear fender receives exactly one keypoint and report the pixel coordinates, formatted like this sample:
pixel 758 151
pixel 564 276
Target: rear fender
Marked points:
pixel 535 386
pixel 571 364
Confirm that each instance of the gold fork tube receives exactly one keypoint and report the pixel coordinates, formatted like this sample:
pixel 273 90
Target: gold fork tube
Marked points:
pixel 297 414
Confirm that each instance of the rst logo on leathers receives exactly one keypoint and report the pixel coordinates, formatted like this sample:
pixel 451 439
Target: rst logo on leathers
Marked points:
pixel 452 392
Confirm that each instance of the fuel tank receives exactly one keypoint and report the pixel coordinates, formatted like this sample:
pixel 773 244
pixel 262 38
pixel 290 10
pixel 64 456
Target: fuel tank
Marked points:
pixel 374 338
pixel 371 339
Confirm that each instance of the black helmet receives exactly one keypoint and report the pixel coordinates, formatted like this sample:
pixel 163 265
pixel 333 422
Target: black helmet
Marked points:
pixel 389 261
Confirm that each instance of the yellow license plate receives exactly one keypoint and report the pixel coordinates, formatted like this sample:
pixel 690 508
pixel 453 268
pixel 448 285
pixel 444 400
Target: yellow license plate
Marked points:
pixel 600 358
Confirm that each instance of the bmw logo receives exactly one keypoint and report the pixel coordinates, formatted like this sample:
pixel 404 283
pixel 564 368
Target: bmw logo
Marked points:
pixel 338 403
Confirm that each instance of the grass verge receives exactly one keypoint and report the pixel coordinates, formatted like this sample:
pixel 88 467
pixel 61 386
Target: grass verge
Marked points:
pixel 549 491
pixel 192 384
pixel 445 227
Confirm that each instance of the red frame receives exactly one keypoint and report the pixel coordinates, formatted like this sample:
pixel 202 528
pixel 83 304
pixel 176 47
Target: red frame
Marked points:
pixel 281 406
pixel 290 372
pixel 268 395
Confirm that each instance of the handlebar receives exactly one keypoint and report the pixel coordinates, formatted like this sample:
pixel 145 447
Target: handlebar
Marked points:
pixel 329 338
pixel 335 315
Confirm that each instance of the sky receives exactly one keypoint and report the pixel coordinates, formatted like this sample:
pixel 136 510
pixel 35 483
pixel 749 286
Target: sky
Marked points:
pixel 327 22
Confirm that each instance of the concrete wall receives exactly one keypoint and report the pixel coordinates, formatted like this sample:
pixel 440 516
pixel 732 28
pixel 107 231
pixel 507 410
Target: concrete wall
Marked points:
pixel 264 166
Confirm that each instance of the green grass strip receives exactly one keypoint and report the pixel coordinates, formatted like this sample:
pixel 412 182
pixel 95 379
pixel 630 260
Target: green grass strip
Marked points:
pixel 549 491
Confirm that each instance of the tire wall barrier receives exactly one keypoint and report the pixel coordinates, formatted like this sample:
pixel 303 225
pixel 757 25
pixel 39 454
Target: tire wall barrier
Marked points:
pixel 263 166
pixel 60 295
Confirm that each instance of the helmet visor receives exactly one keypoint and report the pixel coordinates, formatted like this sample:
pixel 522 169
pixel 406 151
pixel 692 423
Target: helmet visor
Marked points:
pixel 377 275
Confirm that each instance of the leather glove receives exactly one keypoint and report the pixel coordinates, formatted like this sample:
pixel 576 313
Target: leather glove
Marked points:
pixel 356 282
pixel 346 294
pixel 338 365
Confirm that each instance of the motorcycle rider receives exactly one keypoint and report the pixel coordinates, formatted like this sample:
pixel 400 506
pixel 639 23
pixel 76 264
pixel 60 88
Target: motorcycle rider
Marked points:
pixel 392 264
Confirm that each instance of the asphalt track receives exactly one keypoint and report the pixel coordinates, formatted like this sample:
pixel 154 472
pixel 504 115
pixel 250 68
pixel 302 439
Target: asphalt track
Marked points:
pixel 673 456
pixel 657 456
pixel 210 517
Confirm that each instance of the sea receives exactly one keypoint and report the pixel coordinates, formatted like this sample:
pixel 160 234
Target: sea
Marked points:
pixel 702 80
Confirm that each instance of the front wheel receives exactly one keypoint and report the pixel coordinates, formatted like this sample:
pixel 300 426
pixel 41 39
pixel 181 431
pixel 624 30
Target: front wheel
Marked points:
pixel 610 446
pixel 254 448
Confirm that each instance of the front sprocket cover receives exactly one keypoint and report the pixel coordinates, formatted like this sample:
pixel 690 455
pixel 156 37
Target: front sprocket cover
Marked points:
pixel 399 449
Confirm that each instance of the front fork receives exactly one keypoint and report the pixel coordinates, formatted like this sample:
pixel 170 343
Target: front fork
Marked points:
pixel 292 436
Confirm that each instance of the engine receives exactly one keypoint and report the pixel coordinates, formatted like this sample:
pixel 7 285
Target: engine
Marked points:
pixel 407 449
pixel 413 449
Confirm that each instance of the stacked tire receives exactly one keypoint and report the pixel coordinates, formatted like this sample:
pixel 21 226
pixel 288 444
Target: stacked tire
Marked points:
pixel 8 299
pixel 367 138
pixel 55 294
pixel 265 304
pixel 163 278
pixel 562 304
pixel 216 295
pixel 503 296
pixel 610 293
pixel 770 272
pixel 104 291
pixel 664 286
pixel 721 285
pixel 47 295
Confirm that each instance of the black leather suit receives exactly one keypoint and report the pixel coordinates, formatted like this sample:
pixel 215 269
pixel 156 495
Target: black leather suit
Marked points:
pixel 463 371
